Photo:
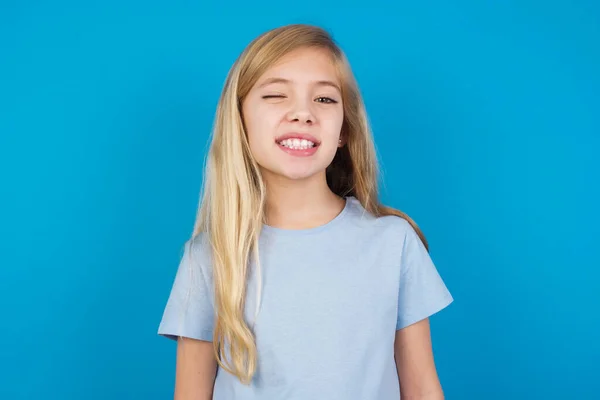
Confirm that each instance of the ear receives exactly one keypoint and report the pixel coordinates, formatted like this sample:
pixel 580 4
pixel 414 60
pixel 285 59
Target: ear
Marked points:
pixel 342 140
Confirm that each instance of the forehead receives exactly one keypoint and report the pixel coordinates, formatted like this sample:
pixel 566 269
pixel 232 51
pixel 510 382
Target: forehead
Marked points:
pixel 303 65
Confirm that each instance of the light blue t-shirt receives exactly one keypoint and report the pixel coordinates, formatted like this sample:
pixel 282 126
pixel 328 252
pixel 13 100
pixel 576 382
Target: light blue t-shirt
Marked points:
pixel 332 300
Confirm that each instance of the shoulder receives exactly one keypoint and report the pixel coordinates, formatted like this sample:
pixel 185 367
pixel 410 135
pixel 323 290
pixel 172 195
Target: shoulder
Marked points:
pixel 199 242
pixel 392 228
pixel 197 250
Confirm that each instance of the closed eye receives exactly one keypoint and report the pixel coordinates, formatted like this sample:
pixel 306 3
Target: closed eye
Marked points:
pixel 273 96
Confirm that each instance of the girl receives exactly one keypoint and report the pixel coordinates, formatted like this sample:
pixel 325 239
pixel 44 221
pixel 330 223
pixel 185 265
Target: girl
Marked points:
pixel 297 283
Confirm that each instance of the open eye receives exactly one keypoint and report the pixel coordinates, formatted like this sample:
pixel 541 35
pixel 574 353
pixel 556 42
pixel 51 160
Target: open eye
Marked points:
pixel 325 100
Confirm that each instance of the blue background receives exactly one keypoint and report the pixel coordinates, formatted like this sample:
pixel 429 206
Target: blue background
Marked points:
pixel 487 121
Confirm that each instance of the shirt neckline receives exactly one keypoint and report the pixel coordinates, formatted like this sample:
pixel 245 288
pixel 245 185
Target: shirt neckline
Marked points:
pixel 328 225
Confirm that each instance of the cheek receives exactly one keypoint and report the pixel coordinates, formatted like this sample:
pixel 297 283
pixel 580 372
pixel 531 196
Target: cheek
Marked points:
pixel 259 123
pixel 252 125
pixel 260 132
pixel 332 124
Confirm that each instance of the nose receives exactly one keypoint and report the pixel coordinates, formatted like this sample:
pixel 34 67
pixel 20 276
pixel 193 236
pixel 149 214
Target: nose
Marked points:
pixel 301 113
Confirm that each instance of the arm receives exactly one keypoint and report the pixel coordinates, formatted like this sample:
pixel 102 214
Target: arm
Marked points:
pixel 414 360
pixel 195 371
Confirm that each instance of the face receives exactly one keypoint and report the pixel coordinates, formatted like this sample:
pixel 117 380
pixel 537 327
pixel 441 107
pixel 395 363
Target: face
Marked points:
pixel 293 115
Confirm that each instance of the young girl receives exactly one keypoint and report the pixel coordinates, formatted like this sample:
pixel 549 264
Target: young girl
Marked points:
pixel 297 283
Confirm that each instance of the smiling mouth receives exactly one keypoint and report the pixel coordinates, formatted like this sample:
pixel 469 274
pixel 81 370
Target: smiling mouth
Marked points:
pixel 297 144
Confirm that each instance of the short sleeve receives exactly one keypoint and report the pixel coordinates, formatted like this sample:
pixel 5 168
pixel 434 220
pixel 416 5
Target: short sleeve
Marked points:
pixel 189 310
pixel 422 292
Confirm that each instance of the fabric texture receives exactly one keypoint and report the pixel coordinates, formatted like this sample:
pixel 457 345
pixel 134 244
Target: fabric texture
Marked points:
pixel 332 300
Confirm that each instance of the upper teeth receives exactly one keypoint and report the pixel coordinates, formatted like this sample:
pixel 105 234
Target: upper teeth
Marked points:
pixel 297 143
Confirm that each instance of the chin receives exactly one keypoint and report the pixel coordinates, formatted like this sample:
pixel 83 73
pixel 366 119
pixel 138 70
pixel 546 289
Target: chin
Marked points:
pixel 295 174
pixel 298 177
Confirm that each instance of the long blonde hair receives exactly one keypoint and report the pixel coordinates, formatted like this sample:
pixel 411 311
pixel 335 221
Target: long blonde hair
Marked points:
pixel 232 206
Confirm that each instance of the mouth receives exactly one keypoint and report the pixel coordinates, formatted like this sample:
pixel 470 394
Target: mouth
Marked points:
pixel 299 145
pixel 297 141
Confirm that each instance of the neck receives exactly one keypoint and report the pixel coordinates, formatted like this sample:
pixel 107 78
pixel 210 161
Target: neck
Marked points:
pixel 300 204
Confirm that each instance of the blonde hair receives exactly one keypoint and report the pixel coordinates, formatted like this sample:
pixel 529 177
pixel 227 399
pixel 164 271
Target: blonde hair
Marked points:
pixel 232 206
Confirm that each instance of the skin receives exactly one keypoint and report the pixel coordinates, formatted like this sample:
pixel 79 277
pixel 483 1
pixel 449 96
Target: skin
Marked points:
pixel 292 97
pixel 195 370
pixel 415 363
pixel 300 93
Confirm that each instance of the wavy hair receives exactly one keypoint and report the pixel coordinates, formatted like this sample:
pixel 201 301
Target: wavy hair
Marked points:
pixel 232 206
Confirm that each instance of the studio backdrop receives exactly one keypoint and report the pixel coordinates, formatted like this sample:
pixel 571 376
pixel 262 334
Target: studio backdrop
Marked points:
pixel 486 116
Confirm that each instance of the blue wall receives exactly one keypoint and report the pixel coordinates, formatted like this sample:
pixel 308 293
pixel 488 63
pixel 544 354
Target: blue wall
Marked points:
pixel 487 120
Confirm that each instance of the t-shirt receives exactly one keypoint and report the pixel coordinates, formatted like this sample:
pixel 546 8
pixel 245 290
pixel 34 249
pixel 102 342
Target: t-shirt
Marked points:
pixel 331 301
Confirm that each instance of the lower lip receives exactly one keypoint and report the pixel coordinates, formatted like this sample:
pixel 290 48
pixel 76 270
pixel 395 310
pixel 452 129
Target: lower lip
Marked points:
pixel 299 152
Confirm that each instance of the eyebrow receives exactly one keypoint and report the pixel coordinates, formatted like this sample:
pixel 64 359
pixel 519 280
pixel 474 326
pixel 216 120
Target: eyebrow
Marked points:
pixel 271 81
